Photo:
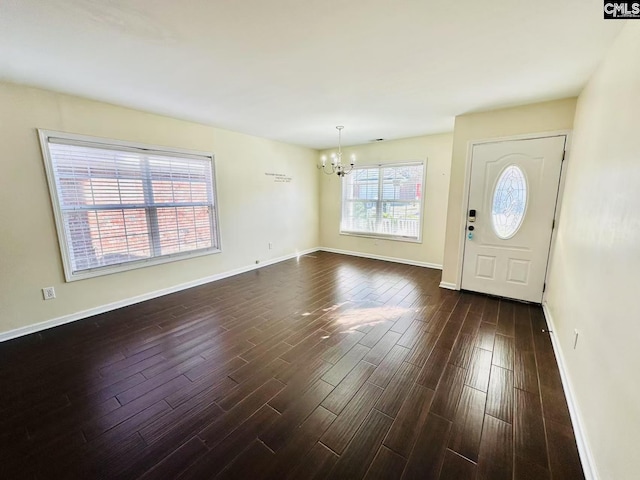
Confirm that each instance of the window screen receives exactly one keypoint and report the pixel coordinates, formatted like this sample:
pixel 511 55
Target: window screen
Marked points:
pixel 120 205
pixel 385 201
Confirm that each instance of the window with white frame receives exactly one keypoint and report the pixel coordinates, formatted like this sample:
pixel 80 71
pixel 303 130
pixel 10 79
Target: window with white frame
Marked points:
pixel 122 205
pixel 384 201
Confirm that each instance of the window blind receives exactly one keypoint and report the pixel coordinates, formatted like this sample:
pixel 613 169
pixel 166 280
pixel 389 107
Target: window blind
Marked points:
pixel 385 200
pixel 121 204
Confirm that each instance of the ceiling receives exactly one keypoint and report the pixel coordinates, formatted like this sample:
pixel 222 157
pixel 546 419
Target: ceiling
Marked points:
pixel 292 70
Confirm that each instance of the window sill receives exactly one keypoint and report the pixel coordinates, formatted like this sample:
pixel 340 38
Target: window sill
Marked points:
pixel 380 236
pixel 123 267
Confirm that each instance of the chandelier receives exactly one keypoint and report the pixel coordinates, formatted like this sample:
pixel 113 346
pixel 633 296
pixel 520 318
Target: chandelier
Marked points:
pixel 336 166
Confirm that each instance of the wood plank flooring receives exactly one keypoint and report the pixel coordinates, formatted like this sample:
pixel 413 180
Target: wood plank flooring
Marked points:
pixel 328 366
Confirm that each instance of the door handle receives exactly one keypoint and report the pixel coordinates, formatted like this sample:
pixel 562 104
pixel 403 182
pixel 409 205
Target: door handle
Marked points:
pixel 472 215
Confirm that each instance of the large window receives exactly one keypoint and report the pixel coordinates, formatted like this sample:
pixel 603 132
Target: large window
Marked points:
pixel 120 205
pixel 384 201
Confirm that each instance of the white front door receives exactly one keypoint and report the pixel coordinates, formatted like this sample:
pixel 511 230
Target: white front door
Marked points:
pixel 513 193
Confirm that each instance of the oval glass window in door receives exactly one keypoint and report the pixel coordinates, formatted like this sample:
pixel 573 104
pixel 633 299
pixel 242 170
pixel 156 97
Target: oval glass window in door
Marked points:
pixel 509 202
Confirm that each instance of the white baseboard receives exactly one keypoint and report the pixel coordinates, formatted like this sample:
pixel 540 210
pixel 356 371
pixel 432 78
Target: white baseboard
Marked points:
pixel 448 286
pixel 54 322
pixel 588 463
pixel 382 257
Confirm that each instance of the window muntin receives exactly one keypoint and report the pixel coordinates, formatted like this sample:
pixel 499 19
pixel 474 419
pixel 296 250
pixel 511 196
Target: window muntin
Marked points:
pixel 120 206
pixel 509 202
pixel 384 201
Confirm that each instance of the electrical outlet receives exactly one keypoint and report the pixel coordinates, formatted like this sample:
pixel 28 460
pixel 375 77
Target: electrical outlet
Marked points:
pixel 48 293
pixel 270 245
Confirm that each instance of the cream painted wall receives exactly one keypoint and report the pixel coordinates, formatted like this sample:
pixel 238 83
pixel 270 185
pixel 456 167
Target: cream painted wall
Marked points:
pixel 253 209
pixel 436 149
pixel 539 117
pixel 593 284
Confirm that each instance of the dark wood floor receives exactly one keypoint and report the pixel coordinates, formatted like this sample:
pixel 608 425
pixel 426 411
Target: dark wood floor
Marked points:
pixel 326 367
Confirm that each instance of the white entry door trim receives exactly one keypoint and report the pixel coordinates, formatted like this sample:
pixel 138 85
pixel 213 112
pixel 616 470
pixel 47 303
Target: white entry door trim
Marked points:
pixel 462 229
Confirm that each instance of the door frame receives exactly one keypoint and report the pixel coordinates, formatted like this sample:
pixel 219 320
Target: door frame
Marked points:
pixel 462 229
